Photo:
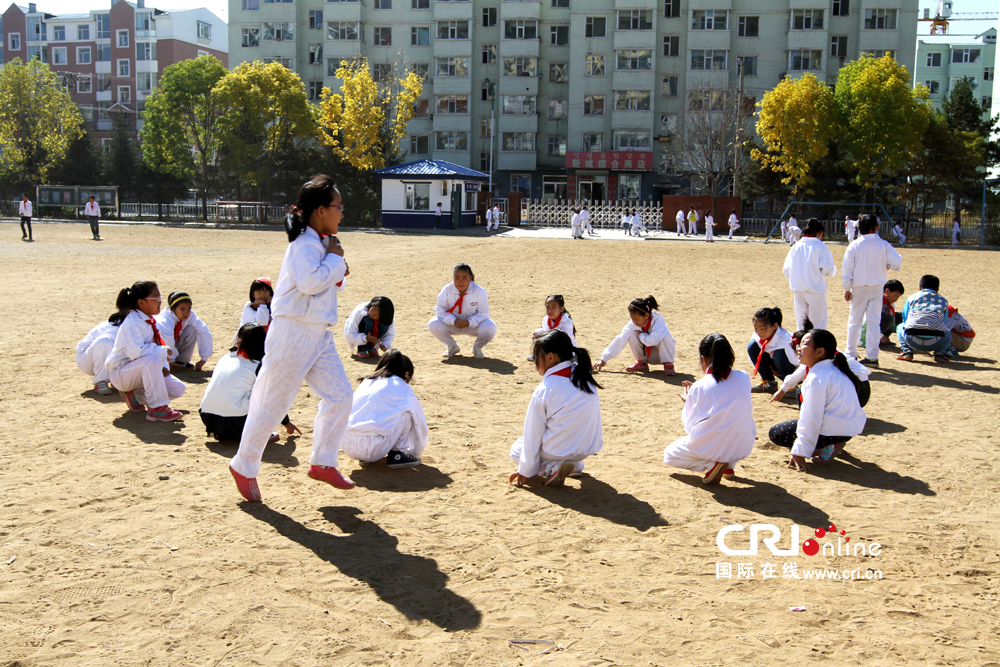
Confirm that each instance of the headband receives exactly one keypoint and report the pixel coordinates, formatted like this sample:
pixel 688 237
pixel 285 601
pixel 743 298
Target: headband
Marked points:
pixel 177 298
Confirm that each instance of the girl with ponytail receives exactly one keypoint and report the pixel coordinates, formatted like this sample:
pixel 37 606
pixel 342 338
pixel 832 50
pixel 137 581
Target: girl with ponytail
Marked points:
pixel 717 416
pixel 860 371
pixel 563 424
pixel 300 346
pixel 831 413
pixel 647 336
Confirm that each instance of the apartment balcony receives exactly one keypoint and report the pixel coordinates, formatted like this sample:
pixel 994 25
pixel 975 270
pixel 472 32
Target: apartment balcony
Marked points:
pixel 516 85
pixel 444 122
pixel 517 123
pixel 818 40
pixel 280 11
pixel 635 39
pixel 102 67
pixel 626 120
pixel 341 48
pixel 633 80
pixel 444 48
pixel 451 10
pixel 103 96
pixel 451 85
pixel 516 160
pixel 879 39
pixel 638 4
pixel 710 4
pixel 461 158
pixel 716 80
pixel 332 11
pixel 709 39
pixel 146 66
pixel 520 10
pixel 819 4
pixel 510 48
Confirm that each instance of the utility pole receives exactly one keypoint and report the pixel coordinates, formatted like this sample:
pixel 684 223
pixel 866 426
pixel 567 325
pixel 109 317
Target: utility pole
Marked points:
pixel 490 90
pixel 739 117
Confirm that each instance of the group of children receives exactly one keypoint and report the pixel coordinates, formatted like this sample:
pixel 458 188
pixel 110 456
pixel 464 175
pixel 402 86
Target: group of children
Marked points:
pixel 692 217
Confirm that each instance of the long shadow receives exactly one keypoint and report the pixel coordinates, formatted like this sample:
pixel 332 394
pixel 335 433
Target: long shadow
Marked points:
pixel 847 468
pixel 879 427
pixel 976 360
pixel 155 433
pixel 412 584
pixel 765 498
pixel 931 379
pixel 403 480
pixel 600 499
pixel 275 452
pixel 190 376
pixel 492 365
pixel 92 395
pixel 652 375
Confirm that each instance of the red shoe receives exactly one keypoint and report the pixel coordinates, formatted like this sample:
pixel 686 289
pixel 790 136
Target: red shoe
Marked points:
pixel 714 474
pixel 331 476
pixel 729 473
pixel 362 355
pixel 131 401
pixel 162 414
pixel 668 369
pixel 274 438
pixel 638 367
pixel 247 486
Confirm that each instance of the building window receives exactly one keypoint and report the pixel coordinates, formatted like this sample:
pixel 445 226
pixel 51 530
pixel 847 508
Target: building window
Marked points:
pixel 82 32
pixel 748 26
pixel 382 72
pixel 453 30
pixel 489 17
pixel 879 53
pixel 83 55
pixel 103 82
pixel 204 30
pixel 634 59
pixel 668 125
pixel 59 33
pixel 558 109
pixel 596 26
pixel 420 4
pixel 988 73
pixel 343 30
pixel 315 19
pixel 14 41
pixel 251 37
pixel 452 141
pixel 806 19
pixel 560 4
pixel 83 83
pixel 103 26
pixel 801 60
pixel 419 145
pixel 520 66
pixel 520 183
pixel 965 55
pixel 251 5
pixel 671 46
pixel 706 100
pixel 484 127
pixel 593 142
pixel 519 105
pixel 987 102
pixel 382 36
pixel 594 65
pixel 102 114
pixel 284 62
pixel 489 54
pixel 420 35
pixel 145 51
pixel 671 9
pixel 559 35
pixel 422 70
pixel 484 161
pixel 124 67
pixel 709 60
pixel 417 196
pixel 315 54
pixel 669 86
pixel 332 65
pixel 710 19
pixel 593 105
pixel 554 187
pixel 383 4
pixel 59 55
pixel 103 53
pixel 422 108
pixel 315 90
pixel 452 104
pixel 122 39
pixel 934 60
pixel 555 146
pixel 631 140
pixel 279 31
pixel 749 64
pixel 145 81
pixel 841 7
pixel 635 19
pixel 933 86
pixel 36 29
pixel 558 72
pixel 520 29
pixel 838 46
pixel 632 100
pixel 518 141
pixel 452 67
pixel 880 19
pixel 124 94
pixel 628 186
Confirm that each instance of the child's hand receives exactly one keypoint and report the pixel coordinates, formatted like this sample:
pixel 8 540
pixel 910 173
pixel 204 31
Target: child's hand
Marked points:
pixel 847 295
pixel 383 348
pixel 778 395
pixel 335 248
pixel 462 324
pixel 291 428
pixel 371 339
pixel 798 463
pixel 599 365
pixel 686 384
pixel 201 364
pixel 166 372
pixel 174 366
pixel 517 478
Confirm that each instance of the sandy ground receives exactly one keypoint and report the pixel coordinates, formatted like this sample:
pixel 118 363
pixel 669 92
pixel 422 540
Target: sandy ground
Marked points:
pixel 122 541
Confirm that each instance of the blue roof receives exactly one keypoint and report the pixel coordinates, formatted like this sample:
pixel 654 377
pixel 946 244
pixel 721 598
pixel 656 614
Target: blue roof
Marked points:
pixel 432 169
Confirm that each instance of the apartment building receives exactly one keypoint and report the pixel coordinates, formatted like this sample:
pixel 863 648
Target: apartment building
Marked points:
pixel 111 59
pixel 589 96
pixel 942 61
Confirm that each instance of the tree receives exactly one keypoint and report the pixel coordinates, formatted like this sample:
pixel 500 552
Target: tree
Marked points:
pixel 797 123
pixel 38 122
pixel 121 161
pixel 880 116
pixel 265 120
pixel 180 125
pixel 757 181
pixel 709 135
pixel 82 165
pixel 365 122
pixel 964 117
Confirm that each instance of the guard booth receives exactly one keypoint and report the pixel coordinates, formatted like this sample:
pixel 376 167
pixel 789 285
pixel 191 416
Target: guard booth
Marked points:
pixel 76 196
pixel 412 191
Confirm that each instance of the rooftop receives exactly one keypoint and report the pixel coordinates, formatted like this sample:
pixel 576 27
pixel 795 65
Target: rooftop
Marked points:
pixel 435 169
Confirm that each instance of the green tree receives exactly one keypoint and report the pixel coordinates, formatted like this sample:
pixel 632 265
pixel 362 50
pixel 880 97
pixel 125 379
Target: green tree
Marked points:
pixel 82 165
pixel 180 125
pixel 38 122
pixel 120 160
pixel 963 115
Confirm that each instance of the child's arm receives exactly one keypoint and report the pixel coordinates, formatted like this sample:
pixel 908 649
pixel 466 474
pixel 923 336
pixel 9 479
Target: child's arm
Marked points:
pixel 534 429
pixel 204 337
pixel 132 340
pixel 260 315
pixel 385 342
pixel 314 269
pixel 826 264
pixel 810 420
pixel 483 313
pixel 791 381
pixel 351 334
pixel 617 345
pixel 442 306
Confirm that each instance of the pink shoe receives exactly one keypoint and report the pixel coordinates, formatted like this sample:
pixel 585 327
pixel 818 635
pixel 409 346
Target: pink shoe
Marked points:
pixel 362 355
pixel 247 486
pixel 331 476
pixel 638 367
pixel 668 369
pixel 729 473
pixel 162 414
pixel 714 474
pixel 131 401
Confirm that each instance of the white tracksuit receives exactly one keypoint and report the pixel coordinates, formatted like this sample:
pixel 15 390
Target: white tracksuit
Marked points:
pixel 693 223
pixel 658 338
pixel 261 316
pixel 496 217
pixel 899 232
pixel 585 221
pixel 637 225
pixel 192 331
pixel 355 338
pixel 93 351
pixel 851 229
pixel 299 347
pixel 709 227
pixel 864 272
pixel 956 230
pixel 718 420
pixel 576 226
pixel 681 223
pixel 801 371
pixel 806 264
pixel 564 324
pixel 136 362
pixel 475 308
pixel 563 423
pixel 386 415
pixel 734 224
pixel 829 407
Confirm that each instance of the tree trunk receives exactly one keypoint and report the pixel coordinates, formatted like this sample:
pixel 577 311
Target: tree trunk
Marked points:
pixel 159 211
pixel 204 206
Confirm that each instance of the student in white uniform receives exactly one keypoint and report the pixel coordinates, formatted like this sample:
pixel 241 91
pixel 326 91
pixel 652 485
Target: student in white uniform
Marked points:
pixel 437 216
pixel 792 221
pixel 181 329
pixel 585 221
pixel 770 350
pixel 709 227
pixel 784 229
pixel 681 219
pixel 693 222
pixel 137 364
pixel 462 309
pixel 637 226
pixel 576 225
pixel 647 336
pixel 93 351
pixel 717 416
pixel 93 212
pixel 794 234
pixel 956 230
pixel 792 380
pixel 900 234
pixel 627 223
pixel 226 403
pixel 387 420
pixel 807 265
pixel 258 308
pixel 830 414
pixel 863 273
pixel 556 317
pixel 299 344
pixel 850 228
pixel 489 218
pixel 563 424
pixel 370 327
pixel 734 223
pixel 24 210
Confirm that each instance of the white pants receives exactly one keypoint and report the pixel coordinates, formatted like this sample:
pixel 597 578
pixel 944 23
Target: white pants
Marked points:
pixel 811 306
pixel 954 237
pixel 681 228
pixel 901 237
pixel 733 228
pixel 296 352
pixel 587 226
pixel 576 230
pixel 865 303
pixel 660 354
pixel 677 455
pixel 495 223
pixel 638 228
pixel 693 227
pixel 548 464
pixel 709 233
pixel 91 361
pixel 371 448
pixel 446 333
pixel 185 346
pixel 144 376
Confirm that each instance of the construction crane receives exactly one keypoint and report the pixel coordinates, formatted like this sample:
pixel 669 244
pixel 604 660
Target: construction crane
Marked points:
pixel 944 15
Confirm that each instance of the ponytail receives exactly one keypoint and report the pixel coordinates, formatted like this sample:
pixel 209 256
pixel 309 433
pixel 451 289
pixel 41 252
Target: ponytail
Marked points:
pixel 314 193
pixel 826 340
pixel 558 298
pixel 840 361
pixel 770 315
pixel 716 348
pixel 643 306
pixel 392 363
pixel 559 343
pixel 128 299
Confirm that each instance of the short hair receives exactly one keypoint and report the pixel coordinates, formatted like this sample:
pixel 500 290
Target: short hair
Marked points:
pixel 930 282
pixel 462 266
pixel 813 227
pixel 250 338
pixel 868 224
pixel 894 286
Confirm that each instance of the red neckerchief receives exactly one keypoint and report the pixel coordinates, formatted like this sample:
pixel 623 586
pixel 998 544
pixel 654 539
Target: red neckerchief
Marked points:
pixel 565 372
pixel 375 328
pixel 645 330
pixel 157 338
pixel 760 357
pixel 803 382
pixel 458 304
pixel 243 353
pixel 892 308
pixel 553 325
pixel 177 331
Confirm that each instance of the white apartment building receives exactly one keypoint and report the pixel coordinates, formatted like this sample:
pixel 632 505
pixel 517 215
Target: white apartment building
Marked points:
pixel 944 60
pixel 589 95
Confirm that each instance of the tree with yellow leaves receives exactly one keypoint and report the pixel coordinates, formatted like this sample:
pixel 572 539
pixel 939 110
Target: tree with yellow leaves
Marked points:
pixel 365 123
pixel 797 121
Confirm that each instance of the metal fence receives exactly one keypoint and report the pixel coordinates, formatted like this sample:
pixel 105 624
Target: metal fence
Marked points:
pixel 936 229
pixel 603 215
pixel 216 212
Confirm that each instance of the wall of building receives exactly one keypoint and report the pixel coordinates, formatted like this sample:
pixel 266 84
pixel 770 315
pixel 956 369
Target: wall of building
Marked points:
pixel 939 65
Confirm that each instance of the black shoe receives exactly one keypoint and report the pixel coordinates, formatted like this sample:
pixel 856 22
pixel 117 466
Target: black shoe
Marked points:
pixel 869 362
pixel 189 366
pixel 397 459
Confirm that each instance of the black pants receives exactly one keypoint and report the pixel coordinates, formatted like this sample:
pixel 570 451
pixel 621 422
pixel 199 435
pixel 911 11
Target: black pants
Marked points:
pixel 888 323
pixel 783 435
pixel 95 226
pixel 366 327
pixel 771 364
pixel 227 428
pixel 25 220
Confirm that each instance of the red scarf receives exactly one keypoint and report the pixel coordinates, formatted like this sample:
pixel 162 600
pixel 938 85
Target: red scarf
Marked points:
pixel 177 332
pixel 553 325
pixel 645 330
pixel 760 357
pixel 157 338
pixel 892 308
pixel 375 328
pixel 243 353
pixel 458 304
pixel 565 372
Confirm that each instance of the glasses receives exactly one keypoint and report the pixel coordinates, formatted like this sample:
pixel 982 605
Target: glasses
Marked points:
pixel 338 206
pixel 152 298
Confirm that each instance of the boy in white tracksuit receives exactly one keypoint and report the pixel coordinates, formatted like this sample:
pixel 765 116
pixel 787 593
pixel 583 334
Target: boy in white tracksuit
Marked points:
pixel 807 265
pixel 637 226
pixel 734 223
pixel 681 219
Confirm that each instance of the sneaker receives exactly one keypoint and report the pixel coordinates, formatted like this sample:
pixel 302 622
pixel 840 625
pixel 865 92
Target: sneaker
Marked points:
pixel 638 367
pixel 331 476
pixel 714 474
pixel 768 387
pixel 905 356
pixel 362 355
pixel 103 388
pixel 728 473
pixel 941 358
pixel 558 478
pixel 668 369
pixel 247 486
pixel 398 459
pixel 869 362
pixel 131 401
pixel 826 454
pixel 274 438
pixel 575 475
pixel 450 351
pixel 162 414
pixel 477 352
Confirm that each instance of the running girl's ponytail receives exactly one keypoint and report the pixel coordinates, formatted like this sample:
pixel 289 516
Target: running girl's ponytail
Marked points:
pixel 643 306
pixel 128 299
pixel 826 340
pixel 392 363
pixel 316 192
pixel 716 348
pixel 558 342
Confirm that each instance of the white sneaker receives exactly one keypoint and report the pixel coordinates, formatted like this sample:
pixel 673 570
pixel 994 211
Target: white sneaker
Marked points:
pixel 477 353
pixel 450 351
pixel 103 388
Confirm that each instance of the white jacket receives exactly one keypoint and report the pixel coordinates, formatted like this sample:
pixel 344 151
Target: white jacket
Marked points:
pixel 228 392
pixel 307 287
pixel 356 338
pixel 166 322
pixel 806 264
pixel 378 405
pixel 866 262
pixel 92 208
pixel 24 208
pixel 134 340
pixel 475 307
pixel 261 316
pixel 858 368
pixel 95 333
pixel 781 340
pixel 718 418
pixel 658 331
pixel 565 325
pixel 829 407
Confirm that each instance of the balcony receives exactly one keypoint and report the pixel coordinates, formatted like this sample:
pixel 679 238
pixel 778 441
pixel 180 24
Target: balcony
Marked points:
pixel 517 160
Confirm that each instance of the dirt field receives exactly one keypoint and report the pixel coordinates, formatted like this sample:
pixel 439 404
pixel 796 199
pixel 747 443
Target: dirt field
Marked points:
pixel 122 541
